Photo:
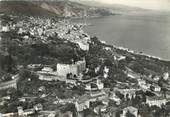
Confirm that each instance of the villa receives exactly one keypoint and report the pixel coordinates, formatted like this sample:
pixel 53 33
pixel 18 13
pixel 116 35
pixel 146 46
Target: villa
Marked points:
pixel 157 101
pixel 76 68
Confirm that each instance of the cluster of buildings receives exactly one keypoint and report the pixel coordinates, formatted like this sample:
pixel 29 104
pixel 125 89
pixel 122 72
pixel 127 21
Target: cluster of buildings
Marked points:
pixel 34 29
pixel 71 74
pixel 96 91
pixel 43 28
pixel 62 70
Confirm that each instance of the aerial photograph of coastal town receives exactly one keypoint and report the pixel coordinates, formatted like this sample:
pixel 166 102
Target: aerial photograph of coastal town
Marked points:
pixel 84 58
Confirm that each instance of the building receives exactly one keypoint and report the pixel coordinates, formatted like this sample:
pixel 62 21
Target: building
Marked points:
pixel 128 93
pixel 5 28
pixel 38 107
pixel 48 77
pixel 156 101
pixel 119 58
pixel 166 76
pixel 108 48
pixel 8 115
pixel 48 74
pixel 115 98
pixel 28 112
pixel 99 85
pixel 84 46
pixel 75 69
pixel 9 84
pixel 20 111
pixel 155 88
pixel 142 83
pixel 105 72
pixel 97 95
pixel 131 109
pixel 82 104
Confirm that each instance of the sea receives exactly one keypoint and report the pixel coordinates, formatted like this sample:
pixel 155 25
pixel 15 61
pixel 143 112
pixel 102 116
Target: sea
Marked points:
pixel 149 34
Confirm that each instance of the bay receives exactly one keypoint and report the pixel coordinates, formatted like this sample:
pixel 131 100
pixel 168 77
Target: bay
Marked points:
pixel 149 34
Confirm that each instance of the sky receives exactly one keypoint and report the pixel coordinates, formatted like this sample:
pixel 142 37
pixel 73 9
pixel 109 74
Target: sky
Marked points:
pixel 147 4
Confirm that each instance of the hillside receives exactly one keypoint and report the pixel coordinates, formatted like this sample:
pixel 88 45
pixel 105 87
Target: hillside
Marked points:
pixel 117 8
pixel 22 7
pixel 50 8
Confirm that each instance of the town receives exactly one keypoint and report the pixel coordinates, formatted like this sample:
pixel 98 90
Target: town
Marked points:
pixel 51 68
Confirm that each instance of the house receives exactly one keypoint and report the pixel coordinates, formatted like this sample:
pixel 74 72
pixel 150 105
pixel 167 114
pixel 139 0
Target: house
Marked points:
pixel 20 111
pixel 33 66
pixel 9 84
pixel 41 88
pixel 48 77
pixel 98 85
pixel 76 68
pixel 82 104
pixel 38 107
pixel 105 72
pixel 142 83
pixel 84 46
pixel 88 86
pixel 156 78
pixel 49 74
pixel 5 28
pixel 131 109
pixel 8 115
pixel 108 48
pixel 166 76
pixel 127 93
pixel 106 69
pixel 155 88
pixel 97 69
pixel 70 81
pixel 115 98
pixel 100 108
pixel 51 115
pixel 121 58
pixel 157 101
pixel 28 112
pixel 47 69
pixel 97 95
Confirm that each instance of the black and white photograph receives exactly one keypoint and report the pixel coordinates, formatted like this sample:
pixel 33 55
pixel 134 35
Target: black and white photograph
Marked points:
pixel 84 58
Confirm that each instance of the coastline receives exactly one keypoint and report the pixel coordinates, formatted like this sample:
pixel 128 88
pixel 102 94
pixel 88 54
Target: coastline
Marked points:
pixel 140 53
pixel 130 50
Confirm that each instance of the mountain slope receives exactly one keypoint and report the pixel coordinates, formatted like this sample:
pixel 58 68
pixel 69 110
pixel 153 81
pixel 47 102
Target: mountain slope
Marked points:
pixel 117 8
pixel 22 7
pixel 53 8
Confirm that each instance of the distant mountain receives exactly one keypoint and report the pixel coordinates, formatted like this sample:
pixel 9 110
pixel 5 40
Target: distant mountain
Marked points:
pixel 61 8
pixel 116 8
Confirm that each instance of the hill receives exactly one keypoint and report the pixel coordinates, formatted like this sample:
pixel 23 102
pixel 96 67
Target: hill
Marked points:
pixel 116 8
pixel 51 8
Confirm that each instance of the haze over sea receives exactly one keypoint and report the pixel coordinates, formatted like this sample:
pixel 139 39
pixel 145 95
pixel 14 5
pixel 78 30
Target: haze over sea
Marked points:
pixel 149 34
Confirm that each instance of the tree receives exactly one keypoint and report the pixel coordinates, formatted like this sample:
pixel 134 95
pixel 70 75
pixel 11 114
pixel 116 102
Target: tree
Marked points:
pixel 128 114
pixel 6 77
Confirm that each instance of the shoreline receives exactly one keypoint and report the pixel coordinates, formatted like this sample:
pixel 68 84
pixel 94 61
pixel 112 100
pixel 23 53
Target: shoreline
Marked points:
pixel 140 53
pixel 129 50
